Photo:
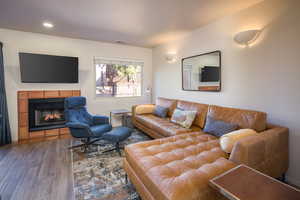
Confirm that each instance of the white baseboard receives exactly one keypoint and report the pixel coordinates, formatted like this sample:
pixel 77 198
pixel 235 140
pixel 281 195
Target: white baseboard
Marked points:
pixel 293 181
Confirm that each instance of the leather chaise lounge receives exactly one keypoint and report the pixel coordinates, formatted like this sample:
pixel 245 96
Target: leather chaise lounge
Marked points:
pixel 180 162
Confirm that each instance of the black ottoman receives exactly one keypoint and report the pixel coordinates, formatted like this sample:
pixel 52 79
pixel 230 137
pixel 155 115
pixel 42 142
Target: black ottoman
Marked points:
pixel 116 136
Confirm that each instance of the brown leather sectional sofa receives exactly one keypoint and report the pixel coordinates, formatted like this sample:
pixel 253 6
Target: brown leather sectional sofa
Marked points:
pixel 179 164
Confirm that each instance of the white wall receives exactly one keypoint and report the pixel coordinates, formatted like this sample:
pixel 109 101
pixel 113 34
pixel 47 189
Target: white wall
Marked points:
pixel 265 76
pixel 15 42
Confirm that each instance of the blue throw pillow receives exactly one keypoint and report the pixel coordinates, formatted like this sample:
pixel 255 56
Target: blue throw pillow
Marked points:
pixel 160 111
pixel 218 127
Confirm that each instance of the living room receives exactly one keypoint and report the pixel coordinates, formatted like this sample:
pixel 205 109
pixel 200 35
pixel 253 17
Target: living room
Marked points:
pixel 256 46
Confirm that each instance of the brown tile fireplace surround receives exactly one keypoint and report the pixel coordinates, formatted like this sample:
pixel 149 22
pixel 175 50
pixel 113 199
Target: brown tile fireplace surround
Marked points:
pixel 38 118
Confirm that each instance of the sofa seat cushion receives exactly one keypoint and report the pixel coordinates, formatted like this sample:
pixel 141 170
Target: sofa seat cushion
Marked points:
pixel 179 167
pixel 163 125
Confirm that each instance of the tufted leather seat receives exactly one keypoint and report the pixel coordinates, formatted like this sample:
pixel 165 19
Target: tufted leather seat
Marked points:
pixel 178 167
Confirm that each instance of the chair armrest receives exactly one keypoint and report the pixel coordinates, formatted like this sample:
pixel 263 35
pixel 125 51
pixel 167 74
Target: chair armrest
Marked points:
pixel 267 151
pixel 77 125
pixel 97 119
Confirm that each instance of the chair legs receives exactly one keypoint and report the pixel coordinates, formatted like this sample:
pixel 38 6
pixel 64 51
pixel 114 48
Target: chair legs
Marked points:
pixel 85 143
pixel 117 148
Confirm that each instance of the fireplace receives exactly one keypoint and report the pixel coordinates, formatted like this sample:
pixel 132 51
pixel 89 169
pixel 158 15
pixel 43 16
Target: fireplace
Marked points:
pixel 42 130
pixel 46 113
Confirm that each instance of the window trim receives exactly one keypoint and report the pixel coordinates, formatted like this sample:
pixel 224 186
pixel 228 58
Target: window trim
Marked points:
pixel 119 59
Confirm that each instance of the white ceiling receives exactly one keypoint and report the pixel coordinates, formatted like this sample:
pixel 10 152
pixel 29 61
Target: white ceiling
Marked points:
pixel 144 23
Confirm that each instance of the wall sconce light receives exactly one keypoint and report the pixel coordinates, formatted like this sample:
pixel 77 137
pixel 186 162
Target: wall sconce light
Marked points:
pixel 171 57
pixel 246 37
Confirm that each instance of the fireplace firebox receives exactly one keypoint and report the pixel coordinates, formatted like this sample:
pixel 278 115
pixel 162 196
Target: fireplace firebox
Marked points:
pixel 45 114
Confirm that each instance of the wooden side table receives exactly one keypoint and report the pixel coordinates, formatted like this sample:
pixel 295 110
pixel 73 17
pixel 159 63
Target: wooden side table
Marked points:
pixel 245 183
pixel 121 112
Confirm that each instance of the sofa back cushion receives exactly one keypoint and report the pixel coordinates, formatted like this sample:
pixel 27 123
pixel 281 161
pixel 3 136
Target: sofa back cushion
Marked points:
pixel 218 127
pixel 243 118
pixel 160 111
pixel 184 118
pixel 167 103
pixel 200 108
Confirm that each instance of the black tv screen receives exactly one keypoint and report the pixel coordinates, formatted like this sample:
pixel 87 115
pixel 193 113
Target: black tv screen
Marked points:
pixel 210 74
pixel 38 68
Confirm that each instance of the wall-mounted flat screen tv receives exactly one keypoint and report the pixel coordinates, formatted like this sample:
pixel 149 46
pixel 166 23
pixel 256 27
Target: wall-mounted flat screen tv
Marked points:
pixel 38 68
pixel 210 74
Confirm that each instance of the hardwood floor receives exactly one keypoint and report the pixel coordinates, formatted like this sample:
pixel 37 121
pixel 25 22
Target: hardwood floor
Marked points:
pixel 36 171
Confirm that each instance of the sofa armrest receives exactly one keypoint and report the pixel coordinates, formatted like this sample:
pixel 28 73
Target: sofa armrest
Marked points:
pixel 97 119
pixel 267 151
pixel 133 110
pixel 135 106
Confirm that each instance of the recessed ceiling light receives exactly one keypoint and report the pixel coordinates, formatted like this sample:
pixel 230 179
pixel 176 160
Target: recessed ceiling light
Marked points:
pixel 48 25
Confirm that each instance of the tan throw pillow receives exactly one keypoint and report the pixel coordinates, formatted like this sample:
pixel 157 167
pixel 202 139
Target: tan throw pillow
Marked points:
pixel 228 140
pixel 144 109
pixel 184 118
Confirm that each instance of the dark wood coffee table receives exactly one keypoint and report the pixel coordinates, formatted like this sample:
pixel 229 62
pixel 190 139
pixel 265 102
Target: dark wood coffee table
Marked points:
pixel 245 183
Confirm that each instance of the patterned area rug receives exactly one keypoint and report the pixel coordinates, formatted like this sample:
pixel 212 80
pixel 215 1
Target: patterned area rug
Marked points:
pixel 100 175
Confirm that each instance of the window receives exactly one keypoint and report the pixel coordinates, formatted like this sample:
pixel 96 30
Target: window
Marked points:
pixel 115 78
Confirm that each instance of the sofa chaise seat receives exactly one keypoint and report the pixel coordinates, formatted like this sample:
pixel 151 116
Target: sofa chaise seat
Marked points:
pixel 177 167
